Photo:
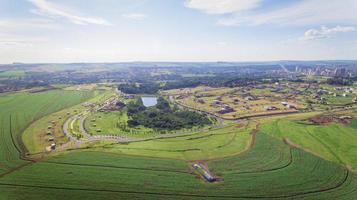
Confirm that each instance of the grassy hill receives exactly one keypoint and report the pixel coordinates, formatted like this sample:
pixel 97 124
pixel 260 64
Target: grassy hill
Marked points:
pixel 18 110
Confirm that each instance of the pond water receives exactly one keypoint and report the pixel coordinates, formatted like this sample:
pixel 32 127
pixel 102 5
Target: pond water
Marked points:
pixel 149 101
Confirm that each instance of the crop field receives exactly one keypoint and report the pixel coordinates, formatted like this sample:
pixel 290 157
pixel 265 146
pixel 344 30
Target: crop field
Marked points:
pixel 334 142
pixel 18 110
pixel 211 144
pixel 265 171
pixel 35 137
pixel 280 157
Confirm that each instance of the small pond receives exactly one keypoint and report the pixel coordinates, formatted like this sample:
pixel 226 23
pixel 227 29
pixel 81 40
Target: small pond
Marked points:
pixel 149 101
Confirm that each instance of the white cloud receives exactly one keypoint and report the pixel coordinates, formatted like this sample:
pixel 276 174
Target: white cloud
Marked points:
pixel 25 24
pixel 53 10
pixel 134 16
pixel 16 40
pixel 222 6
pixel 303 12
pixel 311 12
pixel 325 32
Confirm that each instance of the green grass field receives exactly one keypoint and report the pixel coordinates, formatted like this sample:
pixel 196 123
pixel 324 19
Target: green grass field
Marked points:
pixel 114 123
pixel 282 172
pixel 203 145
pixel 13 73
pixel 250 158
pixel 35 138
pixel 334 142
pixel 18 110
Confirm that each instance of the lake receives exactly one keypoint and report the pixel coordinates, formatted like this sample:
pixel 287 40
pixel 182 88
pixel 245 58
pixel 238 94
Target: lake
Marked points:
pixel 149 101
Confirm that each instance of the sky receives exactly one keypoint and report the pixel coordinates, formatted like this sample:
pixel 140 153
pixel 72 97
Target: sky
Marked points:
pixel 61 31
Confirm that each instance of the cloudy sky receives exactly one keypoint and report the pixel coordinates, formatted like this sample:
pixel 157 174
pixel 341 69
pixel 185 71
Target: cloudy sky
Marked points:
pixel 176 30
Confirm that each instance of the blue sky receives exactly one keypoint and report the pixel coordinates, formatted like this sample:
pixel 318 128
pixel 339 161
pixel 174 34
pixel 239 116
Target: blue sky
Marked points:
pixel 176 30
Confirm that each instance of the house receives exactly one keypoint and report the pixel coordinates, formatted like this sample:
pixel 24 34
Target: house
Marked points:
pixel 226 109
pixel 284 103
pixel 289 105
pixel 271 108
pixel 215 103
pixel 249 98
pixel 201 101
pixel 345 117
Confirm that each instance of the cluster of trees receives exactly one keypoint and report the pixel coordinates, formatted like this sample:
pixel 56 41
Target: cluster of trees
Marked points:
pixel 340 81
pixel 144 88
pixel 216 81
pixel 163 117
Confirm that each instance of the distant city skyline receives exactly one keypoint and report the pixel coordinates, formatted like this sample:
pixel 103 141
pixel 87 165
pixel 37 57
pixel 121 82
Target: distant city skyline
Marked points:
pixel 62 31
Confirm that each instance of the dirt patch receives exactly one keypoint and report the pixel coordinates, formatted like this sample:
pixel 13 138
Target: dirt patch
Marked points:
pixel 328 119
pixel 240 125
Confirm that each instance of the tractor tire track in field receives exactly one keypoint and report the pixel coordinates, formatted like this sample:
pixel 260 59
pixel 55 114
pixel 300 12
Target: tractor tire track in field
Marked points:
pixel 114 167
pixel 164 150
pixel 326 146
pixel 271 169
pixel 28 161
pixel 294 195
pixel 253 133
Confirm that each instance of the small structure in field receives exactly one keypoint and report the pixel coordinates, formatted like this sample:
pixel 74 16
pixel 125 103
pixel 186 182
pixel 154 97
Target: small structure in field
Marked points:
pixel 226 109
pixel 204 173
pixel 200 101
pixel 249 98
pixel 271 108
pixel 53 146
pixel 345 117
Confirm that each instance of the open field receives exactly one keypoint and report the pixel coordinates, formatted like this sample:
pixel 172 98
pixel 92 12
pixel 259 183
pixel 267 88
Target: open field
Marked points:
pixel 91 174
pixel 244 101
pixel 18 110
pixel 35 136
pixel 114 123
pixel 262 99
pixel 209 144
pixel 11 74
pixel 334 142
pixel 280 157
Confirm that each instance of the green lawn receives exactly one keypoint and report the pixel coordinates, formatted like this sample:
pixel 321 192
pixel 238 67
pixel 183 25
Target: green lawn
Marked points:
pixel 114 123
